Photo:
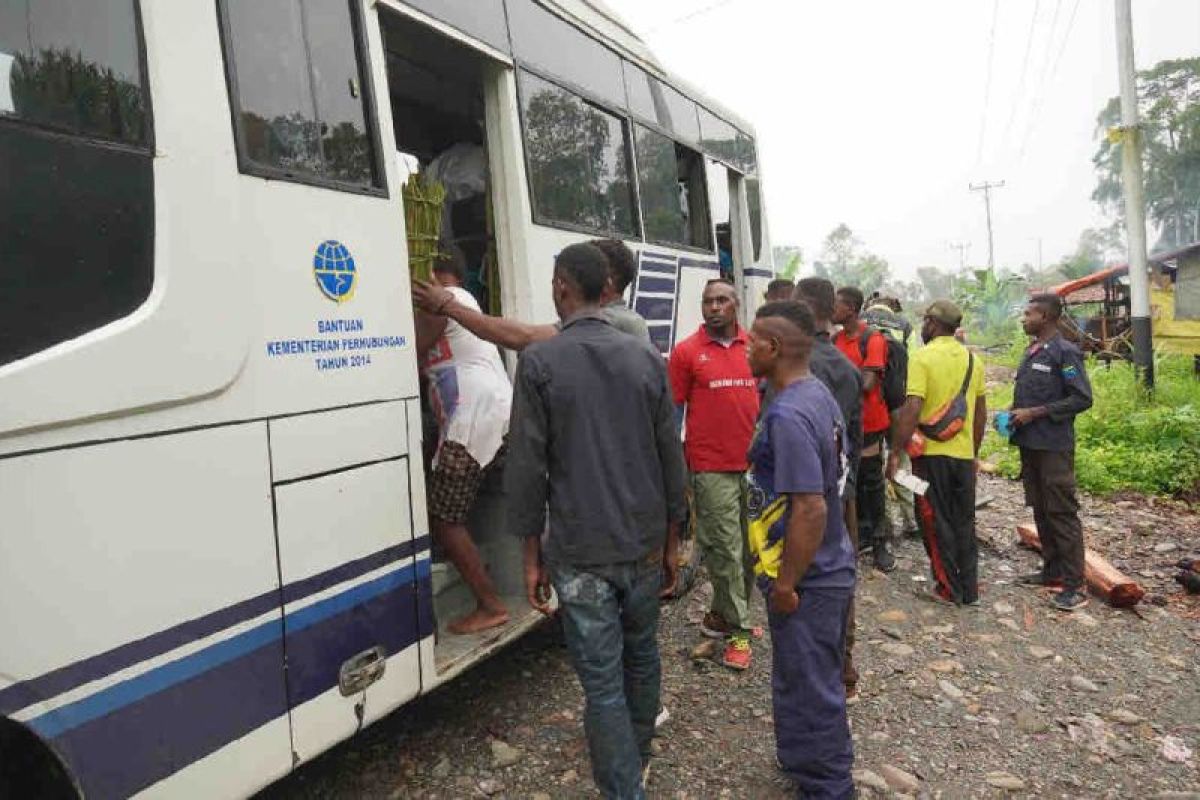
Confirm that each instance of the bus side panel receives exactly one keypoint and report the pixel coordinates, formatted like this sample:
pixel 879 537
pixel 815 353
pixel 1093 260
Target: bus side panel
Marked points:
pixel 351 585
pixel 132 660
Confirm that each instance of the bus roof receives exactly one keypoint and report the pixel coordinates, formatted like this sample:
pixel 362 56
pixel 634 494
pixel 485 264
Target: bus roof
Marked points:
pixel 606 25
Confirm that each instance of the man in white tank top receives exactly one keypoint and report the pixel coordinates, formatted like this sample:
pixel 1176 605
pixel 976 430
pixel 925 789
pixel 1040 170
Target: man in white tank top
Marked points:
pixel 471 397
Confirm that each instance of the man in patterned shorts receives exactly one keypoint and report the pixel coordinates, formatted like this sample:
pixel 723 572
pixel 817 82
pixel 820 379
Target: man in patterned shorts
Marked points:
pixel 471 398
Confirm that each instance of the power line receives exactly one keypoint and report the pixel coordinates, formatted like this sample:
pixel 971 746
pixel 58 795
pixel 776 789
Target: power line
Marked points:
pixel 690 15
pixel 987 87
pixel 1024 71
pixel 1031 123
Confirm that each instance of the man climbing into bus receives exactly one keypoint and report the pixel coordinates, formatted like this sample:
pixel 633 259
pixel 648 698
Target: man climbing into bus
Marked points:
pixel 593 437
pixel 803 558
pixel 515 335
pixel 712 385
pixel 868 351
pixel 471 398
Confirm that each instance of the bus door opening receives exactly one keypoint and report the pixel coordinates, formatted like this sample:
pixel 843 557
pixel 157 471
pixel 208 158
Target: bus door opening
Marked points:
pixel 437 92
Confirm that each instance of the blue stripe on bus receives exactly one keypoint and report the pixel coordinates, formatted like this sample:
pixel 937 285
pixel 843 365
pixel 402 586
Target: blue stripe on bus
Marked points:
pixel 756 272
pixel 656 284
pixel 146 741
pixel 71 676
pixel 698 264
pixel 657 268
pixel 655 309
pixel 105 701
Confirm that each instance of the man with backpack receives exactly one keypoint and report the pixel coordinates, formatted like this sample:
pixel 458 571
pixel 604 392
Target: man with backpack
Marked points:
pixel 868 350
pixel 886 314
pixel 941 425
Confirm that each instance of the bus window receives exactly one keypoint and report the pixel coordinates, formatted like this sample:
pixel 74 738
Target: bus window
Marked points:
pixel 671 183
pixel 654 101
pixel 721 204
pixel 299 91
pixel 74 67
pixel 554 46
pixel 754 206
pixel 578 160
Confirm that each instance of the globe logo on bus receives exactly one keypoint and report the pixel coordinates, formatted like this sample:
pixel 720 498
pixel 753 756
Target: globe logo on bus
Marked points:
pixel 334 269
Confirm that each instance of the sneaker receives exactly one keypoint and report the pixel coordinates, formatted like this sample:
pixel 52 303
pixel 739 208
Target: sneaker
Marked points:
pixel 1070 600
pixel 714 626
pixel 885 561
pixel 663 718
pixel 737 653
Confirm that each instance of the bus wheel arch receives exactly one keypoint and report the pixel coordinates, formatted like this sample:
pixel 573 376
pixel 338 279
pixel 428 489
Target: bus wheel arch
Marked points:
pixel 29 767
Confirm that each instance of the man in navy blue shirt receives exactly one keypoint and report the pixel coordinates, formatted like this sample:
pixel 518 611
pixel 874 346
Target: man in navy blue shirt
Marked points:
pixel 804 562
pixel 1052 388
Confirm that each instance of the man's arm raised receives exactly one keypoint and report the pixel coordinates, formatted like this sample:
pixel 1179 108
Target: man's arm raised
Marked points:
pixel 508 333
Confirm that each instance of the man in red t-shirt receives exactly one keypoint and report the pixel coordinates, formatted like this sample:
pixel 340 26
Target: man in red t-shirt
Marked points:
pixel 711 381
pixel 872 521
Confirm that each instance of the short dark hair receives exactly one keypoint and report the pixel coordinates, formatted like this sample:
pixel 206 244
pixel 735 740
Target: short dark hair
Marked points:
pixel 584 267
pixel 818 293
pixel 792 311
pixel 451 262
pixel 725 281
pixel 622 264
pixel 781 285
pixel 852 296
pixel 1050 303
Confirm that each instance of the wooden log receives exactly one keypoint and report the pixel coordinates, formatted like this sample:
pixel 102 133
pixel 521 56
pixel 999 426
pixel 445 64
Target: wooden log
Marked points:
pixel 1102 577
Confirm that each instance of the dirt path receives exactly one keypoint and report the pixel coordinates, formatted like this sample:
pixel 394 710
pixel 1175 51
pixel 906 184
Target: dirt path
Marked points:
pixel 955 703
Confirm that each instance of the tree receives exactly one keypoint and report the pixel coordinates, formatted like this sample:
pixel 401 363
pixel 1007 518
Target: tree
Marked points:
pixel 1169 108
pixel 844 262
pixel 988 299
pixel 1097 247
pixel 788 261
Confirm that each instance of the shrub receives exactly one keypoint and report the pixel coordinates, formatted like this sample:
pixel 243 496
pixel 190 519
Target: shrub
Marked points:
pixel 1128 440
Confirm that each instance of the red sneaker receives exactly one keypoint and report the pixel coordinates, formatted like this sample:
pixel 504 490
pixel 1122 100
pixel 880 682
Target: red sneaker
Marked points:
pixel 737 653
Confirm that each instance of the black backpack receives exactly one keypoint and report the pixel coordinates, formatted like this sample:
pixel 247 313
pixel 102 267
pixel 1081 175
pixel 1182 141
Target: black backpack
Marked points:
pixel 894 381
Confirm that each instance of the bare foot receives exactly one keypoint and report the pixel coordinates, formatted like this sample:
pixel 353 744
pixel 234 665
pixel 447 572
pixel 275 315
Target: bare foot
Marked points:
pixel 478 620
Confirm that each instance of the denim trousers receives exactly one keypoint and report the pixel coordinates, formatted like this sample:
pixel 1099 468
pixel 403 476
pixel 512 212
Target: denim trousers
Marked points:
pixel 610 622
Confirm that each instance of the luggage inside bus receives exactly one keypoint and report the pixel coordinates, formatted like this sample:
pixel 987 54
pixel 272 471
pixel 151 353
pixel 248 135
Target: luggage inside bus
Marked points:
pixel 437 97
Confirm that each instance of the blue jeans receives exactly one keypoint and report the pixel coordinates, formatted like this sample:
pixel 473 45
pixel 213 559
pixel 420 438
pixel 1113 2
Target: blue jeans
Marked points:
pixel 610 620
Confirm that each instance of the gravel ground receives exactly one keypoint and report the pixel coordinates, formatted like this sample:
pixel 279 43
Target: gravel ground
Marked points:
pixel 1011 699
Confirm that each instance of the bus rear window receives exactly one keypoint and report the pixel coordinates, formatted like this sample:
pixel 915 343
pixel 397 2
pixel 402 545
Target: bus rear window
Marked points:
pixel 74 67
pixel 298 90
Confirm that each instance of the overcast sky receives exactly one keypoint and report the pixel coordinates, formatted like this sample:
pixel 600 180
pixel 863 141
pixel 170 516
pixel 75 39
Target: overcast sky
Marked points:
pixel 870 112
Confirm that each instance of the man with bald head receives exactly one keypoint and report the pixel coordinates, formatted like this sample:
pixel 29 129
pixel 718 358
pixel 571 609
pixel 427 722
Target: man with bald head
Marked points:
pixel 714 389
pixel 804 562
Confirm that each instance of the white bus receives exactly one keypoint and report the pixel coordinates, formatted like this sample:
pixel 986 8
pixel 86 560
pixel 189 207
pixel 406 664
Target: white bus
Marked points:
pixel 215 561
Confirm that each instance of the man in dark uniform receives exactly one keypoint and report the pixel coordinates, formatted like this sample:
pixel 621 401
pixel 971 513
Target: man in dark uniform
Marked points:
pixel 1052 387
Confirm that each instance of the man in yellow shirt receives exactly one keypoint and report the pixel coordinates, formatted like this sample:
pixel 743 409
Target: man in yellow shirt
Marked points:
pixel 942 423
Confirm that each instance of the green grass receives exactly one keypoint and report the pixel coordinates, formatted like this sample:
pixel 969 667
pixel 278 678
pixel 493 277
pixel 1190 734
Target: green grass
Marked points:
pixel 1127 441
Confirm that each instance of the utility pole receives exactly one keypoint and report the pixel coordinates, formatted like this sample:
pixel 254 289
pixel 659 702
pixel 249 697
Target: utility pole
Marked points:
pixel 986 187
pixel 963 248
pixel 1130 136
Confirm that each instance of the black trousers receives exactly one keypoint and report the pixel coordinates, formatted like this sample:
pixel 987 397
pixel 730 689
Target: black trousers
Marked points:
pixel 947 517
pixel 1049 478
pixel 870 491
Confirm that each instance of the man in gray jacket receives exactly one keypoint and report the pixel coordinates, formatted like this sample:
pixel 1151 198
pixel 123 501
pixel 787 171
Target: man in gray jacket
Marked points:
pixel 593 437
